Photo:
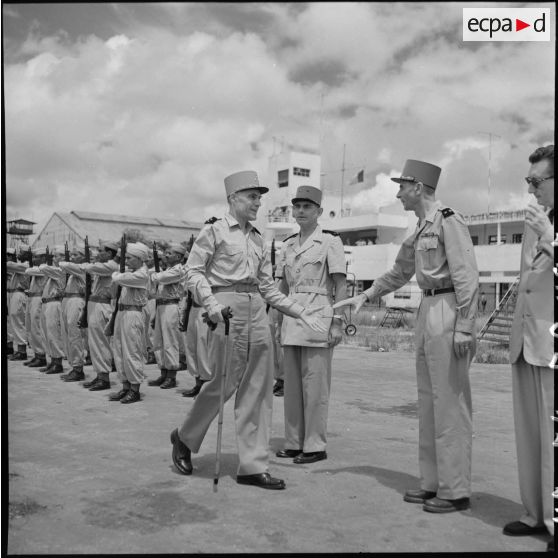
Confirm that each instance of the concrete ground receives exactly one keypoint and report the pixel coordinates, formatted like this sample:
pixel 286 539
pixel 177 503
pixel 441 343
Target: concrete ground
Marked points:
pixel 92 476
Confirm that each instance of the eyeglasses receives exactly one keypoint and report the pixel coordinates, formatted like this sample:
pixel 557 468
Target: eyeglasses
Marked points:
pixel 535 181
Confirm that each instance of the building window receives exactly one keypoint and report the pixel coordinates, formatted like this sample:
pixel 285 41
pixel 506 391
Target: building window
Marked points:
pixel 283 178
pixel 401 294
pixel 485 273
pixel 492 239
pixel 297 171
pixel 517 238
pixel 475 240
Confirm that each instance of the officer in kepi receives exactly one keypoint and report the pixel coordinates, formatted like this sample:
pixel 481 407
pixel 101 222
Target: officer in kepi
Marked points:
pixel 230 266
pixel 440 252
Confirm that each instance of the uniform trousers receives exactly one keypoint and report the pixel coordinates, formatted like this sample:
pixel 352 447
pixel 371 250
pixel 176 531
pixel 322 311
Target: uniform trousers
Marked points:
pixel 75 346
pixel 9 333
pixel 98 316
pixel 128 346
pixel 35 331
pixel 148 314
pixel 444 401
pixel 278 372
pixel 51 321
pixel 197 350
pixel 533 407
pixel 306 400
pixel 166 342
pixel 17 311
pixel 249 373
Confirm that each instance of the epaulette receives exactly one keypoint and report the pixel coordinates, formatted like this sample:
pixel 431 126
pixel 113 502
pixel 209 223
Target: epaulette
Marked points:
pixel 330 232
pixel 256 230
pixel 212 220
pixel 448 212
pixel 289 237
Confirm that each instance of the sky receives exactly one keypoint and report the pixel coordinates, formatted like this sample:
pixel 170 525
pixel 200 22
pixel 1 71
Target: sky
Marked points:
pixel 143 109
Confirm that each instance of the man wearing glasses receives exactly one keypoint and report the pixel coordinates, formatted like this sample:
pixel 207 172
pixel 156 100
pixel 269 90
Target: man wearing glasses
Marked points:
pixel 531 351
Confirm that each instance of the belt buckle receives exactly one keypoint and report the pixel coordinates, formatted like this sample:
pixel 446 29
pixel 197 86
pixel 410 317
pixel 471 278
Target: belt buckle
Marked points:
pixel 431 292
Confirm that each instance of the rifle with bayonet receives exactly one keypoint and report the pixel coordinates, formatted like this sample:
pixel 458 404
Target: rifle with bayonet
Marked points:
pixel 157 266
pixel 30 257
pixel 49 257
pixel 109 329
pixel 272 266
pixel 82 322
pixel 183 323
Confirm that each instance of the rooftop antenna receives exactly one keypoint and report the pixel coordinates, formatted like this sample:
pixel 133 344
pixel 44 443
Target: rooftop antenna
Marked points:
pixel 490 136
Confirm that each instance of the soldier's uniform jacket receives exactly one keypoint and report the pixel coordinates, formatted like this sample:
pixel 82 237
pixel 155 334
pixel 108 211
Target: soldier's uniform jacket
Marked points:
pixel 38 280
pixel 168 283
pixel 441 253
pixel 307 271
pixel 56 281
pixel 76 278
pixel 134 286
pixel 223 256
pixel 101 284
pixel 18 278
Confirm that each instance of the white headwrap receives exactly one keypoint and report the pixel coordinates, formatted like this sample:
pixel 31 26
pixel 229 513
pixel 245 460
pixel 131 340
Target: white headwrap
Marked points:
pixel 139 250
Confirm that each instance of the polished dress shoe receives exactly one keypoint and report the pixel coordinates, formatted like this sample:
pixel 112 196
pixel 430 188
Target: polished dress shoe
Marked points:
pixel 75 375
pixel 118 395
pixel 263 480
pixel 168 383
pixel 100 385
pixel 310 457
pixel 418 496
pixel 181 454
pixel 40 362
pixel 520 529
pixel 157 382
pixel 288 453
pixel 439 505
pixel 91 383
pixel 131 397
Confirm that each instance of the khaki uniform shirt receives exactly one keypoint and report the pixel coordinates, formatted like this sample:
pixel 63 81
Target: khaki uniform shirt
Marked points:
pixel 134 286
pixel 19 280
pixel 76 278
pixel 307 270
pixel 441 253
pixel 168 283
pixel 56 280
pixel 101 284
pixel 223 256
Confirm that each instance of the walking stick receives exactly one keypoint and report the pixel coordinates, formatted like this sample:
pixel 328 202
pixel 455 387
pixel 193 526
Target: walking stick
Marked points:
pixel 227 314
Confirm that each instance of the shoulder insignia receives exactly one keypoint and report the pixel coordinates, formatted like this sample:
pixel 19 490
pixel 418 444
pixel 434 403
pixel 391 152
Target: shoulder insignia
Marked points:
pixel 289 237
pixel 256 230
pixel 212 220
pixel 448 212
pixel 330 232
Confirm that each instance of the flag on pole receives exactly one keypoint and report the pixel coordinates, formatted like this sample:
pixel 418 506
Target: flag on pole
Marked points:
pixel 358 178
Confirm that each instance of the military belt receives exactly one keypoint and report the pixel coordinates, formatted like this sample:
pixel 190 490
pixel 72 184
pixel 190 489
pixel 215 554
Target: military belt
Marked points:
pixel 35 294
pixel 132 307
pixel 51 299
pixel 236 288
pixel 17 290
pixel 164 301
pixel 434 292
pixel 101 299
pixel 73 295
pixel 311 289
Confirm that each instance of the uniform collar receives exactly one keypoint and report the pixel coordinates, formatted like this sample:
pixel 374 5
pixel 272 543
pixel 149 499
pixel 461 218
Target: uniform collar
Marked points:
pixel 232 222
pixel 429 217
pixel 316 236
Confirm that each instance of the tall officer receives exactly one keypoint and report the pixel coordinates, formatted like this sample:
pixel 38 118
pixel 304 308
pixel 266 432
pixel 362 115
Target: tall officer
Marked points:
pixel 312 269
pixel 440 252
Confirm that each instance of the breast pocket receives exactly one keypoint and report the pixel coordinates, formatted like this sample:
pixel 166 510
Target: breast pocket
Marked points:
pixel 427 250
pixel 427 243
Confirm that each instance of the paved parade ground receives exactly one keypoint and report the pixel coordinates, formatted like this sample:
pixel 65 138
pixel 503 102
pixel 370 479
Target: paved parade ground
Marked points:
pixel 87 475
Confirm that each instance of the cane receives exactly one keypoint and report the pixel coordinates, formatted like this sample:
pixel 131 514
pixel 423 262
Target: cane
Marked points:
pixel 227 314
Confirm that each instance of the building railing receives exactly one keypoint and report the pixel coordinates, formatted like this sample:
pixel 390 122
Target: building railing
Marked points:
pixel 495 216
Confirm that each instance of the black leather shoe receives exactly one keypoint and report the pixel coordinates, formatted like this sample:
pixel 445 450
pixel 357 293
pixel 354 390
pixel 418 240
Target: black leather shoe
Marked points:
pixel 131 397
pixel 157 382
pixel 91 383
pixel 117 396
pixel 519 529
pixel 75 376
pixel 151 358
pixel 87 361
pixel 10 349
pixel 195 390
pixel 168 383
pixel 278 388
pixel 47 367
pixel 181 454
pixel 418 496
pixel 40 362
pixel 100 385
pixel 310 457
pixel 28 362
pixel 439 505
pixel 57 367
pixel 288 453
pixel 19 356
pixel 263 480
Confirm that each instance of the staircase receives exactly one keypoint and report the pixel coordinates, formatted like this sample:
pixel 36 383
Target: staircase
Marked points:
pixel 393 317
pixel 498 326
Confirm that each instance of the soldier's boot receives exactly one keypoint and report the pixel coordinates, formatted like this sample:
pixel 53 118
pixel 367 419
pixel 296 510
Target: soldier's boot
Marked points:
pixel 196 389
pixel 87 361
pixel 56 366
pixel 48 366
pixel 160 379
pixel 21 353
pixel 278 388
pixel 112 366
pixel 41 361
pixel 170 380
pixel 75 375
pixel 182 362
pixel 151 357
pixel 92 382
pixel 10 348
pixel 28 362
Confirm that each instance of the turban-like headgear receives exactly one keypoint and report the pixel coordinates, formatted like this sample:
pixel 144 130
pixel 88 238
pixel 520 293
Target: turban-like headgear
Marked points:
pixel 139 250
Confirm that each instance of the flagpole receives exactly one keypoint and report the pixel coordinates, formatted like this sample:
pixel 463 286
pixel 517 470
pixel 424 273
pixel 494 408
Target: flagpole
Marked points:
pixel 342 179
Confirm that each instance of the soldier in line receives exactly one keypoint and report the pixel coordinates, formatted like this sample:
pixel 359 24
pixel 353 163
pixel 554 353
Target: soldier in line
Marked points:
pixel 169 289
pixel 99 313
pixel 35 333
pixel 149 313
pixel 440 252
pixel 229 266
pixel 313 271
pixel 17 308
pixel 51 318
pixel 72 307
pixel 129 334
pixel 11 256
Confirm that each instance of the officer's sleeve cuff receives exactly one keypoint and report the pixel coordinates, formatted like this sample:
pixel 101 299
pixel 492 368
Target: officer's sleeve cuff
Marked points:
pixel 296 309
